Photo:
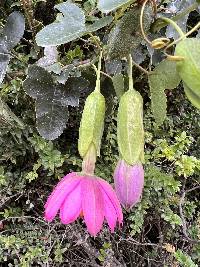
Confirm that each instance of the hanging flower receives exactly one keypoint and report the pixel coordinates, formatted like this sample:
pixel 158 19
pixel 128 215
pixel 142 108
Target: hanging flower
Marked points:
pixel 85 195
pixel 129 183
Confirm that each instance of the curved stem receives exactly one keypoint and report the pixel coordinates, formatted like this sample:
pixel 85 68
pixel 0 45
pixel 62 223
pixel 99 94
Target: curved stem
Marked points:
pixel 141 22
pixel 176 27
pixel 130 72
pixel 184 36
pixel 158 25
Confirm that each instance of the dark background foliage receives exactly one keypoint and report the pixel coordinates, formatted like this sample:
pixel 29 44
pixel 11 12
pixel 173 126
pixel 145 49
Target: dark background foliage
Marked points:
pixel 164 228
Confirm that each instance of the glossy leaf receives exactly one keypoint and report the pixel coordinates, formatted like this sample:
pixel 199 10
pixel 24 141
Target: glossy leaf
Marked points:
pixel 52 100
pixel 92 123
pixel 189 68
pixel 9 38
pixel 130 132
pixel 106 6
pixel 124 38
pixel 164 76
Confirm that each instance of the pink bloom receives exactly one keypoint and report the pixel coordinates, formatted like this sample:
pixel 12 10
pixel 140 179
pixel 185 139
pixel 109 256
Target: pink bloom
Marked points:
pixel 89 196
pixel 129 183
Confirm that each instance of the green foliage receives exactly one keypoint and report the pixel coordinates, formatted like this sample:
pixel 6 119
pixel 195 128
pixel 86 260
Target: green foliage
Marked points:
pixel 69 26
pixel 123 39
pixel 118 83
pixel 49 157
pixel 183 259
pixel 10 36
pixel 189 68
pixel 107 6
pixel 30 166
pixel 52 100
pixel 164 76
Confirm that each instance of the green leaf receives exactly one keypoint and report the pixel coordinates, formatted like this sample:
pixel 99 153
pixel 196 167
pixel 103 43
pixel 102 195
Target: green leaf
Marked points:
pixel 130 132
pixel 52 100
pixel 92 123
pixel 7 116
pixel 164 76
pixel 9 38
pixel 13 30
pixel 118 83
pixel 124 38
pixel 98 24
pixel 192 96
pixel 184 259
pixel 69 27
pixel 189 68
pixel 106 6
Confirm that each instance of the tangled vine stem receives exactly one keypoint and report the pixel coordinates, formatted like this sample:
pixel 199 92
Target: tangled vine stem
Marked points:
pixel 184 192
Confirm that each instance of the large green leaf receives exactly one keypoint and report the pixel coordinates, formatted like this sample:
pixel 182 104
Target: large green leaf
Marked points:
pixel 189 68
pixel 69 27
pixel 9 38
pixel 164 76
pixel 109 5
pixel 126 35
pixel 52 100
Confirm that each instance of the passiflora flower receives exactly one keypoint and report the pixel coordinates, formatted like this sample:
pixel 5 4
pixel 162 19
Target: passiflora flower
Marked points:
pixel 129 183
pixel 88 196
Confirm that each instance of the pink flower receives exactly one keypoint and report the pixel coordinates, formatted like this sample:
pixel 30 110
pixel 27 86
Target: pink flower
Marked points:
pixel 129 183
pixel 89 196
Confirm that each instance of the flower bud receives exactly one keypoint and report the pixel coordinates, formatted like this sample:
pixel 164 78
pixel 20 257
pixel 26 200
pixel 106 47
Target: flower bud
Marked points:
pixel 129 183
pixel 130 130
pixel 92 123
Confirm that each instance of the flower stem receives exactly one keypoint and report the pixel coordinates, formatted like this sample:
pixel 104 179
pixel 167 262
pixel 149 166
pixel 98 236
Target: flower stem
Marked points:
pixel 99 72
pixel 159 25
pixel 141 22
pixel 173 23
pixel 130 72
pixel 184 36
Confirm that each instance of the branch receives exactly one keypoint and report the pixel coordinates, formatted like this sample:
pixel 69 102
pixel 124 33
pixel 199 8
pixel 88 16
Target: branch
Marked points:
pixel 181 203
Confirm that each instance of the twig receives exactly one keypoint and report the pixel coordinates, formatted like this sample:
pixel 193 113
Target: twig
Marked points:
pixel 28 9
pixel 140 68
pixel 193 241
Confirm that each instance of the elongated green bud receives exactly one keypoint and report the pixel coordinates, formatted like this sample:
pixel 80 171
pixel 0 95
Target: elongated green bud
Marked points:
pixel 130 132
pixel 92 123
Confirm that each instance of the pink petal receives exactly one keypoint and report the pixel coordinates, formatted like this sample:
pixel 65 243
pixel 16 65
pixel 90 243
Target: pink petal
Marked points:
pixel 110 212
pixel 112 198
pixel 61 191
pixel 93 205
pixel 72 206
